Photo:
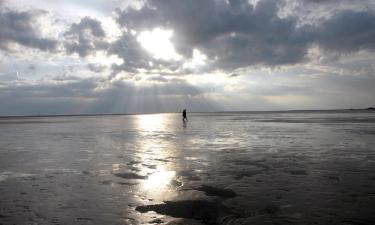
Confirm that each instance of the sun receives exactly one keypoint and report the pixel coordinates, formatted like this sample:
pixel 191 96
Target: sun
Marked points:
pixel 158 43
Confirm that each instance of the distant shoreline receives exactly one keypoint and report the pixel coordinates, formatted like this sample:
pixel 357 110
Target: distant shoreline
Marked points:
pixel 370 109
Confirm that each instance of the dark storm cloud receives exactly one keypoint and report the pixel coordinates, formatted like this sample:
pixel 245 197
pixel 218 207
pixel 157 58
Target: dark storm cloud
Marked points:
pixel 63 89
pixel 322 1
pixel 92 95
pixel 19 28
pixel 237 34
pixel 93 26
pixel 85 37
pixel 348 31
pixel 134 56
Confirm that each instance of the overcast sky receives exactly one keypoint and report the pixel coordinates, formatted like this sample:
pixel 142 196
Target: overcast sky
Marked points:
pixel 114 56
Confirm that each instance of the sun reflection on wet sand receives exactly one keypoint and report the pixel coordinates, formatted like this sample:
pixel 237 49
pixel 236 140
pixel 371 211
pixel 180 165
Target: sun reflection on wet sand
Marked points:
pixel 158 185
pixel 151 122
pixel 159 179
pixel 155 153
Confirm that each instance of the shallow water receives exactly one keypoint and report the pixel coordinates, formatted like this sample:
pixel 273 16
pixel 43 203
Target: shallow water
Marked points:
pixel 218 168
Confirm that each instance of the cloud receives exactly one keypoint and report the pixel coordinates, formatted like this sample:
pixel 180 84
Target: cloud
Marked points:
pixel 348 31
pixel 234 34
pixel 132 53
pixel 321 1
pixel 157 79
pixel 96 68
pixel 85 37
pixel 233 75
pixel 135 57
pixel 237 34
pixel 73 95
pixel 19 28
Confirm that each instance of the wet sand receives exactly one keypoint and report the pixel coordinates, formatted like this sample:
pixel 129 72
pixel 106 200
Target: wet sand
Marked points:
pixel 220 168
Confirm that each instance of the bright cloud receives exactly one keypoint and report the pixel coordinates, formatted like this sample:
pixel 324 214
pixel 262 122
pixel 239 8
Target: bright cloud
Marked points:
pixel 197 60
pixel 157 42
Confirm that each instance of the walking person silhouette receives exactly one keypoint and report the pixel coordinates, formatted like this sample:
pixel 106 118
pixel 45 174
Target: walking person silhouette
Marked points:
pixel 184 117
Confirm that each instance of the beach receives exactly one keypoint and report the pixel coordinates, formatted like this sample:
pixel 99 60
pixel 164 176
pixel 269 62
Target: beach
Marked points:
pixel 298 167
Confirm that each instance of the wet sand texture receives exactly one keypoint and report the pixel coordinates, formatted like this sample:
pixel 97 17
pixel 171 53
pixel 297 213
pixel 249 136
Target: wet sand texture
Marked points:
pixel 221 168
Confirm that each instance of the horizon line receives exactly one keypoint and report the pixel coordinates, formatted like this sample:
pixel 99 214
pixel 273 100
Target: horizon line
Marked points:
pixel 145 113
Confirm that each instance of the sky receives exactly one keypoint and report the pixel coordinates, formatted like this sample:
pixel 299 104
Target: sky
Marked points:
pixel 147 56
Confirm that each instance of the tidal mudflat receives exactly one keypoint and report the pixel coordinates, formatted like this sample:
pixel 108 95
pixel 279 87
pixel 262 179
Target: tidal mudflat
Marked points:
pixel 218 168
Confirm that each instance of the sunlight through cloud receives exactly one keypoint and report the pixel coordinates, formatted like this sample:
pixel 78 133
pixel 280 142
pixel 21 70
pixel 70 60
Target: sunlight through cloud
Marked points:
pixel 102 58
pixel 199 59
pixel 158 43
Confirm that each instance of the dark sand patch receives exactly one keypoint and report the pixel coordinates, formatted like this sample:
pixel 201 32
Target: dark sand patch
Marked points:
pixel 246 168
pixel 3 216
pixel 297 171
pixel 134 168
pixel 149 166
pixel 157 221
pixel 184 222
pixel 130 176
pixel 270 209
pixel 133 163
pixel 258 163
pixel 214 191
pixel 126 183
pixel 106 182
pixel 238 175
pixel 86 172
pixel 163 160
pixel 190 175
pixel 209 212
pixel 176 183
pixel 84 219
